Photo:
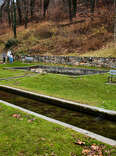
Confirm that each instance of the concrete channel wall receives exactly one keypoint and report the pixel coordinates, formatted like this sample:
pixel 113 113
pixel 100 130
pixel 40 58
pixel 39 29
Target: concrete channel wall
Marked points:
pixel 79 130
pixel 63 70
pixel 95 111
pixel 64 103
pixel 71 71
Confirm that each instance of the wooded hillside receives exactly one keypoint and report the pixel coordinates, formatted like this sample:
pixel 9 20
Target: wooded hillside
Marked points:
pixel 75 26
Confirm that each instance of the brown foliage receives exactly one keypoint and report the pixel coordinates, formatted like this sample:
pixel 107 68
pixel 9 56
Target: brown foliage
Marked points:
pixel 43 32
pixel 3 29
pixel 58 14
pixel 26 35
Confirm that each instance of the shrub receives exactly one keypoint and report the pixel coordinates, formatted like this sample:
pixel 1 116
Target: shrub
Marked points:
pixel 10 43
pixel 3 29
pixel 26 35
pixel 1 42
pixel 43 32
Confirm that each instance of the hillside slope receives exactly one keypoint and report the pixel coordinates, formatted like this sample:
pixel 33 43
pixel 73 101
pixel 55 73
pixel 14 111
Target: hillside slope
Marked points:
pixel 85 36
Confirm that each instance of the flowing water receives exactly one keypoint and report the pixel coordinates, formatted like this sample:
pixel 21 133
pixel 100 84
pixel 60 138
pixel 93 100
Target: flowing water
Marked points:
pixel 94 124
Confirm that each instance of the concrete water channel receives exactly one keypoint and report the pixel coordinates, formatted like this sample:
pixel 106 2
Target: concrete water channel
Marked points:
pixel 93 121
pixel 61 70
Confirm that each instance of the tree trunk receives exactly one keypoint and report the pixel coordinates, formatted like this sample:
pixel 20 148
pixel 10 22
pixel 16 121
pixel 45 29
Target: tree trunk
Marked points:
pixel 32 6
pixel 1 9
pixel 25 13
pixel 11 13
pixel 19 11
pixel 45 4
pixel 92 3
pixel 70 10
pixel 74 7
pixel 14 19
pixel 8 12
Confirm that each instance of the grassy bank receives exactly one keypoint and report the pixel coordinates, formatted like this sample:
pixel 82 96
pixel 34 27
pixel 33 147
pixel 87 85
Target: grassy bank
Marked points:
pixel 104 52
pixel 25 135
pixel 91 89
pixel 11 73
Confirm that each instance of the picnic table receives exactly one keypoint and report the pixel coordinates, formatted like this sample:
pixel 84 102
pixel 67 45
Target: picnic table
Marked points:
pixel 112 75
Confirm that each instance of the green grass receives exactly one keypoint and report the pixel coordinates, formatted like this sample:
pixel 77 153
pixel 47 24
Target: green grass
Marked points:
pixel 10 73
pixel 21 137
pixel 27 135
pixel 91 89
pixel 4 73
pixel 16 64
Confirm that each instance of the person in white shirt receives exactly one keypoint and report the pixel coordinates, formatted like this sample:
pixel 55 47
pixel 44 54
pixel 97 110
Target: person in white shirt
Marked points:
pixel 8 55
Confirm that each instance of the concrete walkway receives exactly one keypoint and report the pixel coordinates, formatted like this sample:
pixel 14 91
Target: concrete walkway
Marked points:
pixel 15 77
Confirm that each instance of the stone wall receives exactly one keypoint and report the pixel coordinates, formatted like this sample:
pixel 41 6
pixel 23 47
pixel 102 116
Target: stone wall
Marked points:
pixel 73 60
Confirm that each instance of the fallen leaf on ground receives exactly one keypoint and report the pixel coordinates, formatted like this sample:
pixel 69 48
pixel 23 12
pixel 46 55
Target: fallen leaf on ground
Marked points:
pixel 94 147
pixel 72 154
pixel 16 116
pixel 86 151
pixel 31 120
pixel 53 154
pixel 79 142
pixel 43 139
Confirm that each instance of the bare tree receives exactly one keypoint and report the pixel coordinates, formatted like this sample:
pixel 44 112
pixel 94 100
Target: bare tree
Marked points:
pixel 2 4
pixel 45 4
pixel 25 4
pixel 14 18
pixel 19 11
pixel 32 6
pixel 8 12
pixel 74 2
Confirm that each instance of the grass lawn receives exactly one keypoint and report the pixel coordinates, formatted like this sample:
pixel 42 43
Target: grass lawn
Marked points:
pixel 22 134
pixel 25 135
pixel 91 89
pixel 16 64
pixel 11 73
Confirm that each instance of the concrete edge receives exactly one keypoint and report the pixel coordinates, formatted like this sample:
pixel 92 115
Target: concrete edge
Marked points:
pixel 110 113
pixel 82 131
pixel 16 77
pixel 55 67
pixel 9 78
